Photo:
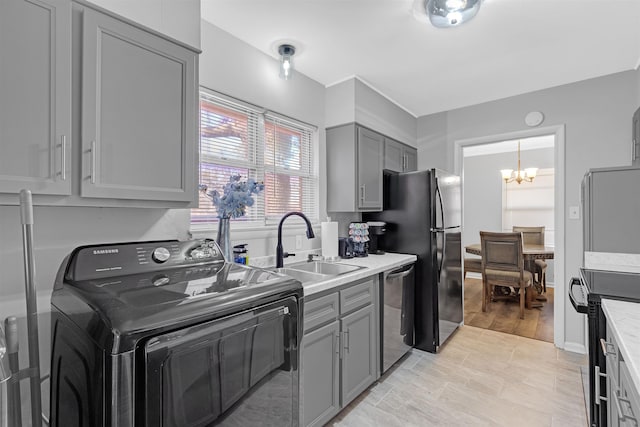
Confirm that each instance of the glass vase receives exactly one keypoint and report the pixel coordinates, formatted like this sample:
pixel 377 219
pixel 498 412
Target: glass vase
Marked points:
pixel 223 238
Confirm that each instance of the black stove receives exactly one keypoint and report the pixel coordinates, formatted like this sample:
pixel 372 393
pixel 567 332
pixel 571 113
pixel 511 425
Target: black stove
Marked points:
pixel 586 293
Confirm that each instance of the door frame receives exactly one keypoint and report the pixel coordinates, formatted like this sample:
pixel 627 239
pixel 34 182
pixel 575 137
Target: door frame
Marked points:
pixel 560 280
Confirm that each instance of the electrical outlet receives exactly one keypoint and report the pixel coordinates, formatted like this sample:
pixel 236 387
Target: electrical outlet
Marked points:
pixel 299 241
pixel 574 212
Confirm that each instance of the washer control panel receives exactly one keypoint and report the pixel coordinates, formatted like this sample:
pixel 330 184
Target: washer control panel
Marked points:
pixel 101 261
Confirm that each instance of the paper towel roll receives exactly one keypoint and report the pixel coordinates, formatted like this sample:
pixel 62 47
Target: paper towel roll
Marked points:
pixel 329 237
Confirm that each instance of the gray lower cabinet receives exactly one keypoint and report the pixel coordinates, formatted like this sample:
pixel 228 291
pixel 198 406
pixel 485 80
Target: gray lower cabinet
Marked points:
pixel 339 357
pixel 635 132
pixel 399 157
pixel 139 113
pixel 321 374
pixel 623 399
pixel 35 96
pixel 354 169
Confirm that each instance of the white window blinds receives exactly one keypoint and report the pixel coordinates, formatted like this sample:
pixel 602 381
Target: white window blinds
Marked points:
pixel 239 139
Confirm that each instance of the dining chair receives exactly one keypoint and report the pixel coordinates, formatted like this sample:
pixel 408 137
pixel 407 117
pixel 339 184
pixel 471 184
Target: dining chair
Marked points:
pixel 473 265
pixel 535 236
pixel 503 265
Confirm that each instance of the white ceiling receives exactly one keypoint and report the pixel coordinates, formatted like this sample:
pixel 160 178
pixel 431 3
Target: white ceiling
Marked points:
pixel 510 47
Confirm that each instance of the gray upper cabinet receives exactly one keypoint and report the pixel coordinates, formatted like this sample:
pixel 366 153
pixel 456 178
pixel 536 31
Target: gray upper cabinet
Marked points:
pixel 354 169
pixel 139 113
pixel 35 96
pixel 635 159
pixel 399 157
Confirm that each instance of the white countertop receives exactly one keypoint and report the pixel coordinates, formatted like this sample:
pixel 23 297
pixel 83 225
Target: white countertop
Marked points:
pixel 624 318
pixel 612 261
pixel 374 264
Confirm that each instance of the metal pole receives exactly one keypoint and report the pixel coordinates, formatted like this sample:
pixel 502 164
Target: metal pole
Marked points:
pixel 26 213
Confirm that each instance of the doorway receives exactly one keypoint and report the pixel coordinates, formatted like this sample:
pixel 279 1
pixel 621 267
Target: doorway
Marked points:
pixel 490 204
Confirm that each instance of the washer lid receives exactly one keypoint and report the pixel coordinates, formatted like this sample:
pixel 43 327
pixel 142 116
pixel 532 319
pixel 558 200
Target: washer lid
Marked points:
pixel 118 310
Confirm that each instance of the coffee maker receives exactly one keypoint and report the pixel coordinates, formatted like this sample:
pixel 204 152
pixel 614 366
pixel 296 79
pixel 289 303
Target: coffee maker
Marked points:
pixel 376 233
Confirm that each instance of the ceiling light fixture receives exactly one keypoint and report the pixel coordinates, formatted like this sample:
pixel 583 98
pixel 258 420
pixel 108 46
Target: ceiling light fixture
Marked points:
pixel 451 13
pixel 509 175
pixel 286 52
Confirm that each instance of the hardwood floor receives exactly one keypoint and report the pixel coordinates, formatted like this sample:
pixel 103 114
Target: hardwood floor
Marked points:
pixel 479 378
pixel 504 316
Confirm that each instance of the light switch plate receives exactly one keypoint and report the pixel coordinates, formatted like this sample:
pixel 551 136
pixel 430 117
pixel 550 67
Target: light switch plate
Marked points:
pixel 299 241
pixel 574 212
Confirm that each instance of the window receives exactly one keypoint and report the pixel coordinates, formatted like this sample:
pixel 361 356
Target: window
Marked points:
pixel 241 139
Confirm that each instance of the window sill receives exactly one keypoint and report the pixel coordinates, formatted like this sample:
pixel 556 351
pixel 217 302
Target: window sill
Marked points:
pixel 240 231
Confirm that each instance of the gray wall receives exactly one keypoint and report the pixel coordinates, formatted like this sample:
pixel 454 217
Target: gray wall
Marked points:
pixel 596 114
pixel 234 68
pixel 353 100
pixel 483 188
pixel 179 19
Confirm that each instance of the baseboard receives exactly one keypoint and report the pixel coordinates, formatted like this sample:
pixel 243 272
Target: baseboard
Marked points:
pixel 575 347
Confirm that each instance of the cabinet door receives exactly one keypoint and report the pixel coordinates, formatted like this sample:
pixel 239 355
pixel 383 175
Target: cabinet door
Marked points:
pixel 35 94
pixel 636 138
pixel 410 159
pixel 393 155
pixel 629 399
pixel 139 123
pixel 370 156
pixel 358 353
pixel 320 375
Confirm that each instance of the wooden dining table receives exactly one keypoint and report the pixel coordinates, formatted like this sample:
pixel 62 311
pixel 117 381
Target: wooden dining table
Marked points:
pixel 530 253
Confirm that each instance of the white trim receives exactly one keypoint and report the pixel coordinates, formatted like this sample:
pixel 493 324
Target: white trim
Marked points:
pixel 575 347
pixel 559 320
pixel 373 88
pixel 637 65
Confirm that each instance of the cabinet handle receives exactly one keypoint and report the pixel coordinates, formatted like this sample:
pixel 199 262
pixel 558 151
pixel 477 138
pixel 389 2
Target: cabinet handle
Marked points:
pixel 597 386
pixel 63 157
pixel 608 349
pixel 362 190
pixel 338 347
pixel 404 162
pixel 346 340
pixel 93 162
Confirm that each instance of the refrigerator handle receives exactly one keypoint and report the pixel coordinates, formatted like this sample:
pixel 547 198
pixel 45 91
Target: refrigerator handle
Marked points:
pixel 443 225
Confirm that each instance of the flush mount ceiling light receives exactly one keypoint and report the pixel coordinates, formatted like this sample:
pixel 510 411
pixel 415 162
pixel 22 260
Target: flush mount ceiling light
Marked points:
pixel 451 13
pixel 286 52
pixel 519 175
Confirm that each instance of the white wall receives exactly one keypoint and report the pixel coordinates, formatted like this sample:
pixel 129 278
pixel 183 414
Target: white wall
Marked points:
pixel 597 116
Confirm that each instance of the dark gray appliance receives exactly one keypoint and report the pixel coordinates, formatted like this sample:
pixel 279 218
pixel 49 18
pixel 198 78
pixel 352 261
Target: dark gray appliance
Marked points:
pixel 396 315
pixel 422 216
pixel 167 333
pixel 586 293
pixel 610 204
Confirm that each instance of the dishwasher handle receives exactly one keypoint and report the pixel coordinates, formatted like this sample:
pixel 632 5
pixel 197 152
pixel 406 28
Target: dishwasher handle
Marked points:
pixel 400 273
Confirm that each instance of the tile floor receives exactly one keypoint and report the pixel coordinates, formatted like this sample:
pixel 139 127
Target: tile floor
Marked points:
pixel 479 378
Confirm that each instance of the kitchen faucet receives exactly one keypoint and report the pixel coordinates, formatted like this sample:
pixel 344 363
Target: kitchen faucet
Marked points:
pixel 280 254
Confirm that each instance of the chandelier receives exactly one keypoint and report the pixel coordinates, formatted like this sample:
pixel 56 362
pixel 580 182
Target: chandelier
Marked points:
pixel 518 175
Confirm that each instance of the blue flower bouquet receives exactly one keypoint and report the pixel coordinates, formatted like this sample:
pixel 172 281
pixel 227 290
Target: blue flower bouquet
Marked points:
pixel 235 197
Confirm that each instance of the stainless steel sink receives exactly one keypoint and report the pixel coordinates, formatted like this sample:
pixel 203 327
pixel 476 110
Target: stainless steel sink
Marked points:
pixel 326 268
pixel 302 276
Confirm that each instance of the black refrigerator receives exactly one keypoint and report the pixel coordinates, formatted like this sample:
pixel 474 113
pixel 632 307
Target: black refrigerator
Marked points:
pixel 422 212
